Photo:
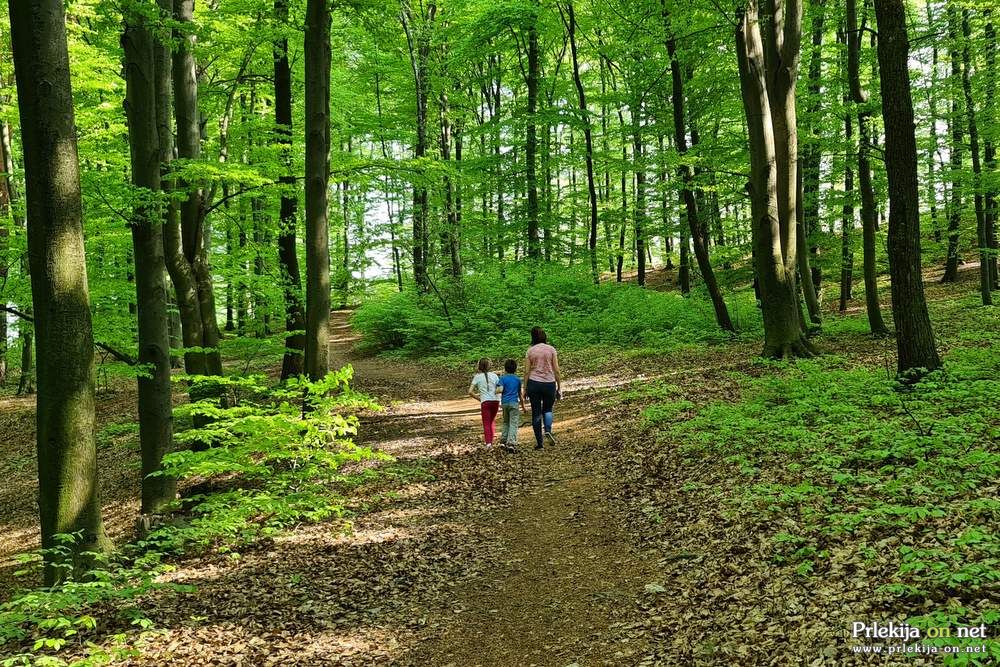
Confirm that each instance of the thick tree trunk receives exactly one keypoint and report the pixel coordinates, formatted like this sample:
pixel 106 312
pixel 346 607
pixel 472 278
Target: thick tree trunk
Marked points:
pixel 982 234
pixel 156 423
pixel 288 258
pixel 67 455
pixel 687 186
pixel 868 214
pixel 317 129
pixel 768 57
pixel 914 335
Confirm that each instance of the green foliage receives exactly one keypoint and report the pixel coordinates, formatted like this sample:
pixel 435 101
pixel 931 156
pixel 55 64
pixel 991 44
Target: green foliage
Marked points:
pixel 271 458
pixel 828 456
pixel 491 314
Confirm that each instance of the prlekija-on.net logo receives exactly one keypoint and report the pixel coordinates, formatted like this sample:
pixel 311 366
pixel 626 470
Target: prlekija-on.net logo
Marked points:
pixel 895 638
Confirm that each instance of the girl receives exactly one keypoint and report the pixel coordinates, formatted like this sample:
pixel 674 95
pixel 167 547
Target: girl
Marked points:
pixel 484 389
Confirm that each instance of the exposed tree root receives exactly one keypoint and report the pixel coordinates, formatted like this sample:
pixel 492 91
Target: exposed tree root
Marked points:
pixel 800 348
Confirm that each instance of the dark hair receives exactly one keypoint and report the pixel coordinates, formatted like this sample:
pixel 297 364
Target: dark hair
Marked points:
pixel 538 336
pixel 510 366
pixel 484 365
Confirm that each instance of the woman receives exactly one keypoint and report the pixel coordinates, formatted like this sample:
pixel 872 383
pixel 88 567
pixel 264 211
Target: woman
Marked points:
pixel 542 385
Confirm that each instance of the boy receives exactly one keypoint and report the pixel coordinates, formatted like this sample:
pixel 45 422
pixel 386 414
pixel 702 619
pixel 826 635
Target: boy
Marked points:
pixel 509 391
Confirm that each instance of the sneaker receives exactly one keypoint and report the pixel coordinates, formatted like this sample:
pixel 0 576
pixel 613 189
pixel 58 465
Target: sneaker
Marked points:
pixel 551 439
pixel 538 446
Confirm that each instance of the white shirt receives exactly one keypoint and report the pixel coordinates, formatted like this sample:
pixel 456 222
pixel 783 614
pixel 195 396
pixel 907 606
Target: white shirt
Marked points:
pixel 486 385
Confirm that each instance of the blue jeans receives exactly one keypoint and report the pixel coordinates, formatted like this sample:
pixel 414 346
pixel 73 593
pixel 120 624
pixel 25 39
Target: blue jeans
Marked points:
pixel 542 396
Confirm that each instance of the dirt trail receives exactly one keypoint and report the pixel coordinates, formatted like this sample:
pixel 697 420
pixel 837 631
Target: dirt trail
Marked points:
pixel 492 559
pixel 561 578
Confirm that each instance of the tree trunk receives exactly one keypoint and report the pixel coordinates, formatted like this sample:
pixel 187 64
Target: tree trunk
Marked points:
pixel 317 130
pixel 932 105
pixel 156 423
pixel 288 258
pixel 418 41
pixel 453 232
pixel 186 248
pixel 914 335
pixel 639 210
pixel 588 138
pixel 955 124
pixel 813 153
pixel 531 141
pixel 767 64
pixel 982 235
pixel 989 148
pixel 620 262
pixel 687 186
pixel 67 455
pixel 847 218
pixel 868 215
pixel 5 211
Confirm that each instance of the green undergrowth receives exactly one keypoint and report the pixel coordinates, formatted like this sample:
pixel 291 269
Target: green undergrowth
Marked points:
pixel 491 314
pixel 263 459
pixel 847 470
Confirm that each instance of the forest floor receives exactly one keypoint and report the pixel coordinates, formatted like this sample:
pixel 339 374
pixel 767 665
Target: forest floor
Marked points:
pixel 588 553
pixel 467 556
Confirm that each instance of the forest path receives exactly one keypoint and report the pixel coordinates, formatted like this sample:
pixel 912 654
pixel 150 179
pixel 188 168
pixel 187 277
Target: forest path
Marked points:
pixel 559 575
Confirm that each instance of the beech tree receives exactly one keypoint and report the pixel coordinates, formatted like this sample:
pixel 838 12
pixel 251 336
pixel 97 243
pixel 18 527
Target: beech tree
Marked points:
pixel 768 56
pixel 154 396
pixel 67 459
pixel 915 345
pixel 317 48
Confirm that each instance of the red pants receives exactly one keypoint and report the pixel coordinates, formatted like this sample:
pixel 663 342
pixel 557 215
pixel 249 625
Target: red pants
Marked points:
pixel 489 411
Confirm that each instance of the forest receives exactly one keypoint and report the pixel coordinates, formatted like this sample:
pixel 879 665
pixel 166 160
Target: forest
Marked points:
pixel 743 254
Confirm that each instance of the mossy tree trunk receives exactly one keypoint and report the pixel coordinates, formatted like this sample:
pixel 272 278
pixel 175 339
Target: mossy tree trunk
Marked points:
pixel 67 456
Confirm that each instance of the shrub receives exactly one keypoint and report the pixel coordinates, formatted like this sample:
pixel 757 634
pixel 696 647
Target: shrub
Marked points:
pixel 491 314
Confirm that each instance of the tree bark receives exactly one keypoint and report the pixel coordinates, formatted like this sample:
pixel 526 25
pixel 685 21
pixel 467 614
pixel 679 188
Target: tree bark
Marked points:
pixel 768 57
pixel 569 19
pixel 955 124
pixel 67 455
pixel 288 258
pixel 847 220
pixel 914 335
pixel 531 140
pixel 418 41
pixel 156 423
pixel 990 199
pixel 639 210
pixel 868 214
pixel 187 248
pixel 317 129
pixel 982 235
pixel 687 186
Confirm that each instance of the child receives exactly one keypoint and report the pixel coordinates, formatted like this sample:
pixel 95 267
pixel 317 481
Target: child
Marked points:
pixel 509 389
pixel 484 389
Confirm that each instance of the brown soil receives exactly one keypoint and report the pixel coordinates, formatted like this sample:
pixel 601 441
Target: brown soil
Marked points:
pixel 498 560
